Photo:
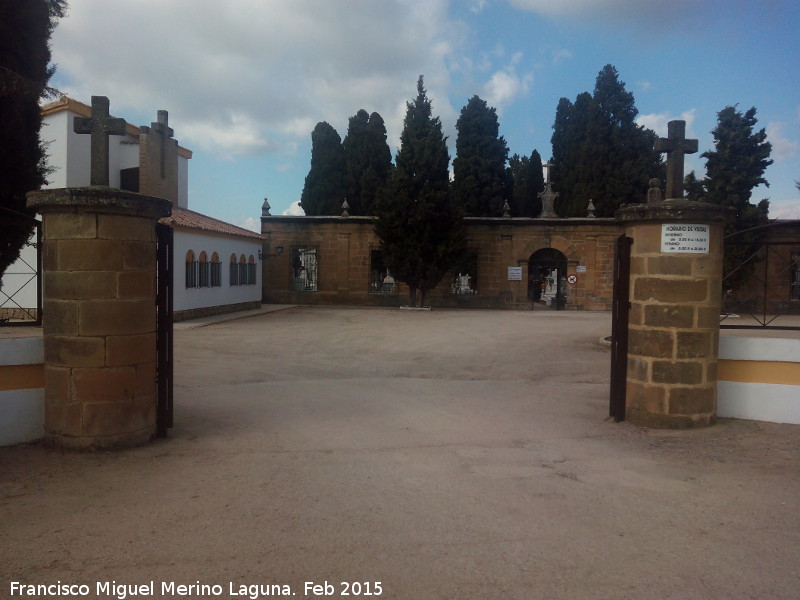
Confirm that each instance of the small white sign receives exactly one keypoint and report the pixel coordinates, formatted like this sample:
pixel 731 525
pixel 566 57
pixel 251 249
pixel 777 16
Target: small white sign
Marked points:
pixel 580 269
pixel 515 273
pixel 685 238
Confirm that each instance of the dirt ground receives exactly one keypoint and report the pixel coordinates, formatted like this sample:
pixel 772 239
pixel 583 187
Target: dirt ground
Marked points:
pixel 445 454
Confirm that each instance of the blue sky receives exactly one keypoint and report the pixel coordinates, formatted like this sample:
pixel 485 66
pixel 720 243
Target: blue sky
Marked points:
pixel 245 81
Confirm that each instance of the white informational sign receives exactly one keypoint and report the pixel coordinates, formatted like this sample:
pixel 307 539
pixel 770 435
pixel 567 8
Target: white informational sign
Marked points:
pixel 685 238
pixel 580 269
pixel 515 273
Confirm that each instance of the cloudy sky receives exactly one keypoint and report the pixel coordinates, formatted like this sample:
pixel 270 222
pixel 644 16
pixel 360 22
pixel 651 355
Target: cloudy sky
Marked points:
pixel 245 81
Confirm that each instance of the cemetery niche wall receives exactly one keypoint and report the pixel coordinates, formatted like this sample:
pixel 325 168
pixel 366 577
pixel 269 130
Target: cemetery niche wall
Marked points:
pixel 513 263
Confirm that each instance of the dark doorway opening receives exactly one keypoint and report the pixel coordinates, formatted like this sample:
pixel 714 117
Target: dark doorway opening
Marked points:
pixel 547 278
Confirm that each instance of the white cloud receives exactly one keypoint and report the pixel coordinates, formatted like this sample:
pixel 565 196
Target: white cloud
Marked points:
pixel 627 10
pixel 561 55
pixel 250 223
pixel 658 122
pixel 295 210
pixel 782 148
pixel 786 210
pixel 240 77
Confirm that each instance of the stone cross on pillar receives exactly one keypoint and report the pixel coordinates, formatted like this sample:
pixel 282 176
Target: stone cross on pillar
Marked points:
pixel 676 146
pixel 165 131
pixel 100 125
pixel 548 165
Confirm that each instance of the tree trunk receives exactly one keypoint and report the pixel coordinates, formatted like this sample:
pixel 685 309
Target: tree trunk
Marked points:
pixel 412 296
pixel 422 295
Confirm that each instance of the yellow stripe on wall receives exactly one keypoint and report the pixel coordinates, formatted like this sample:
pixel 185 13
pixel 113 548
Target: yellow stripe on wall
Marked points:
pixel 21 377
pixel 759 371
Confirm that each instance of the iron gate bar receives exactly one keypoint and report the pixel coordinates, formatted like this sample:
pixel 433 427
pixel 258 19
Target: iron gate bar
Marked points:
pixel 37 321
pixel 766 247
pixel 619 328
pixel 164 335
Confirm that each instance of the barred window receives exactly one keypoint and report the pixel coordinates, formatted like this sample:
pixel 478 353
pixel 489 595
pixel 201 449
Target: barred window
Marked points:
pixel 304 269
pixel 465 275
pixel 243 270
pixel 204 272
pixel 191 270
pixel 216 270
pixel 234 272
pixel 251 270
pixel 795 267
pixel 380 279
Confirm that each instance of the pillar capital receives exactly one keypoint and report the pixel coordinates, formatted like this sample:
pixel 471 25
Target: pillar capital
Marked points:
pixel 674 210
pixel 97 199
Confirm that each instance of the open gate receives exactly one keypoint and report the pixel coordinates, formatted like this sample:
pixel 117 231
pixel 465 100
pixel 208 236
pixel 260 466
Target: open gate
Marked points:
pixel 164 366
pixel 619 327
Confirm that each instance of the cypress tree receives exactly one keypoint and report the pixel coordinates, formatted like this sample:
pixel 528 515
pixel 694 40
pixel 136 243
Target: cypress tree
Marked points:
pixel 324 188
pixel 479 169
pixel 599 151
pixel 25 29
pixel 526 173
pixel 368 160
pixel 733 169
pixel 421 231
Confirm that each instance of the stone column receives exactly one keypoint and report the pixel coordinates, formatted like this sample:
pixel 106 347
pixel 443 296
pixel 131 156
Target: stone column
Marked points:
pixel 675 292
pixel 99 310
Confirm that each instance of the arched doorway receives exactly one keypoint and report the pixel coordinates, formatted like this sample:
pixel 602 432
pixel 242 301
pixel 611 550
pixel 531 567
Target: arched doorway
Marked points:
pixel 547 278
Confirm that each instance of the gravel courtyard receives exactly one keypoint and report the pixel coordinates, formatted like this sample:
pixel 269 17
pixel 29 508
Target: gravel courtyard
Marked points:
pixel 445 454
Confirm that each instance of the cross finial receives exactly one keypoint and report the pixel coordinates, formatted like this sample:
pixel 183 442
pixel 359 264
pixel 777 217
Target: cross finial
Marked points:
pixel 676 146
pixel 165 132
pixel 548 166
pixel 100 125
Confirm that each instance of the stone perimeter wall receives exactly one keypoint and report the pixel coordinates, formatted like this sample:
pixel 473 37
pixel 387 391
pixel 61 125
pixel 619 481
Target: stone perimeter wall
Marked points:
pixel 344 245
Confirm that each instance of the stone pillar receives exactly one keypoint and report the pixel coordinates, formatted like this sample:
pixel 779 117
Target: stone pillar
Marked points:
pixel 675 300
pixel 99 325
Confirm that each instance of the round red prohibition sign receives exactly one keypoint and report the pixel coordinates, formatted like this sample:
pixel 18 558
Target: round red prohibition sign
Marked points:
pixel 572 279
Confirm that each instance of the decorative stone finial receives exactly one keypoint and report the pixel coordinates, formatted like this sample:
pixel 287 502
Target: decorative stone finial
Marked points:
pixel 506 210
pixel 265 209
pixel 654 191
pixel 590 209
pixel 345 209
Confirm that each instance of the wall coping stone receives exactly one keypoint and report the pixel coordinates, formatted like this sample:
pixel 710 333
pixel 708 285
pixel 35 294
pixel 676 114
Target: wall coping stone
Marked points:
pixel 99 199
pixel 676 208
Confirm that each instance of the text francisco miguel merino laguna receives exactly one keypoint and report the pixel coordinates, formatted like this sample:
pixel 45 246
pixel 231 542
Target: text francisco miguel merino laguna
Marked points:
pixel 121 591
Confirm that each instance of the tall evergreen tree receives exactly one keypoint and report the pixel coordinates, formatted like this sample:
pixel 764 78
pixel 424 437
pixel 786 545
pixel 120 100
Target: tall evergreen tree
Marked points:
pixel 324 189
pixel 734 168
pixel 368 159
pixel 421 231
pixel 528 179
pixel 25 29
pixel 479 169
pixel 599 151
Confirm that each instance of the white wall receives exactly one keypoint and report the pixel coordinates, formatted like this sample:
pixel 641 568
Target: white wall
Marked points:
pixel 21 411
pixel 763 383
pixel 185 298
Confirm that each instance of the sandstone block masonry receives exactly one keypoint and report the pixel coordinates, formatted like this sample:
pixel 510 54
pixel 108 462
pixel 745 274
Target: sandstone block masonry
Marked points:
pixel 99 315
pixel 675 300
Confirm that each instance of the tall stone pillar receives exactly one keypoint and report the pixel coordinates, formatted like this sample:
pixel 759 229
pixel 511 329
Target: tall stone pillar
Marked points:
pixel 99 315
pixel 675 301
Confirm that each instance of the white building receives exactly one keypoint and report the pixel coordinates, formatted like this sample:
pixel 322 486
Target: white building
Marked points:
pixel 204 247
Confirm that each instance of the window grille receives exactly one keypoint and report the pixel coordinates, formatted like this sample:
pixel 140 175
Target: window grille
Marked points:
pixel 795 291
pixel 191 270
pixel 251 271
pixel 304 269
pixel 465 275
pixel 234 271
pixel 204 271
pixel 243 279
pixel 380 279
pixel 216 271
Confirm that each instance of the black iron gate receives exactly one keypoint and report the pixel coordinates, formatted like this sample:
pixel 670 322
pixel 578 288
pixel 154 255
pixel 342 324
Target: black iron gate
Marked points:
pixel 619 327
pixel 164 369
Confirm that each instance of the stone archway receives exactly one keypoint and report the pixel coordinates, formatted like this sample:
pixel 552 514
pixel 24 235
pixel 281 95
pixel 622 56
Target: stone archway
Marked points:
pixel 547 278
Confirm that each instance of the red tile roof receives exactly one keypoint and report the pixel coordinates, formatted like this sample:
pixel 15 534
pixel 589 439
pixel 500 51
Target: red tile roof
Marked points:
pixel 183 218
